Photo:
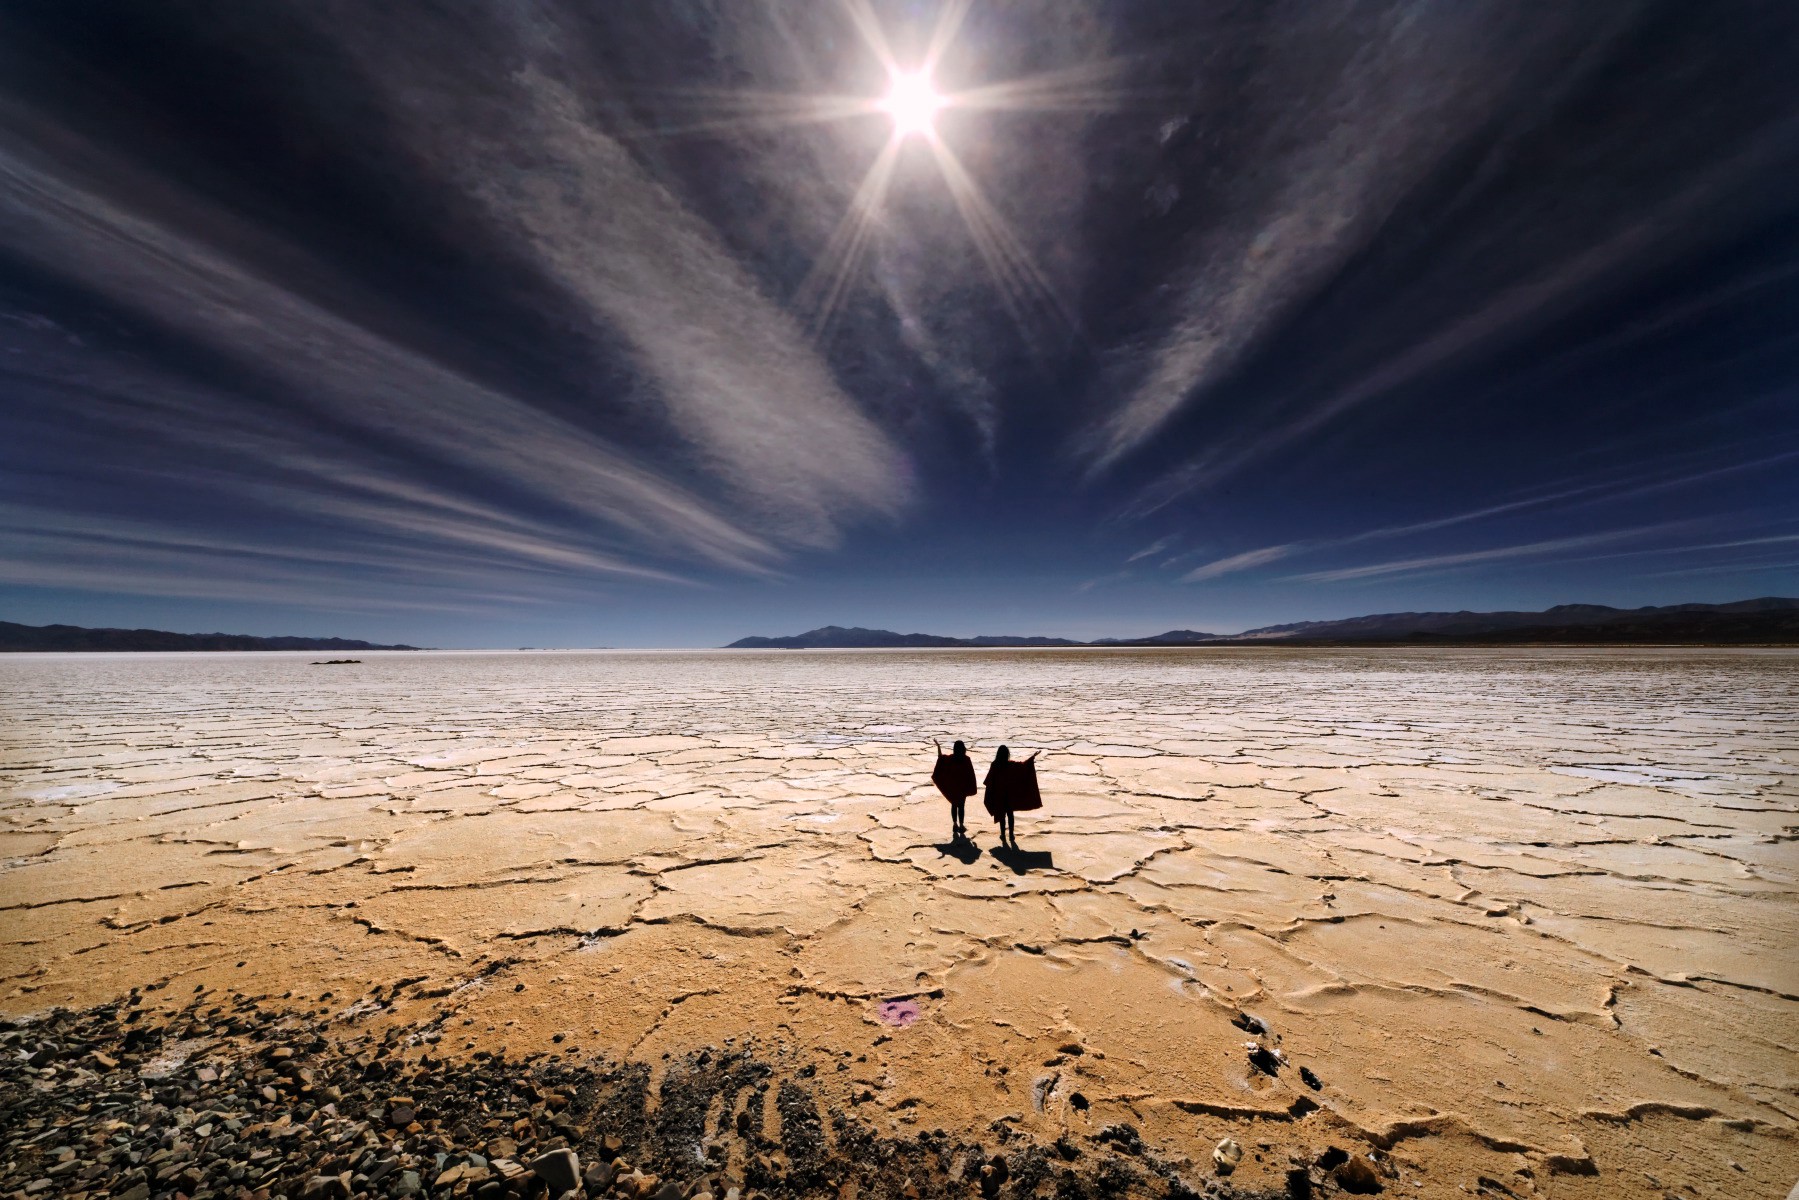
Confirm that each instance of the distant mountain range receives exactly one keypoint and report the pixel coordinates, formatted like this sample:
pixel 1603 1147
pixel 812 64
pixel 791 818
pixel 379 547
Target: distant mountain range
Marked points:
pixel 1769 620
pixel 73 637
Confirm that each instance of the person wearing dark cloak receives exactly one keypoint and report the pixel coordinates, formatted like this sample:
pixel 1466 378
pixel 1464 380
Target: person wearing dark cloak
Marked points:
pixel 954 777
pixel 1011 788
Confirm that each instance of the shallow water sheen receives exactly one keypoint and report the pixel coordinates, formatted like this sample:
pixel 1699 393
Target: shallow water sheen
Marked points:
pixel 1527 913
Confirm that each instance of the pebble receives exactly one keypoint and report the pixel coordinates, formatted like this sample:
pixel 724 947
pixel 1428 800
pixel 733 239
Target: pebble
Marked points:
pixel 560 1169
pixel 1226 1155
pixel 1357 1176
pixel 269 1103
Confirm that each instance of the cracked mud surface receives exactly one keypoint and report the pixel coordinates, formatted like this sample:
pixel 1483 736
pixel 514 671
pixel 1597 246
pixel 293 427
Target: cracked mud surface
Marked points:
pixel 1526 915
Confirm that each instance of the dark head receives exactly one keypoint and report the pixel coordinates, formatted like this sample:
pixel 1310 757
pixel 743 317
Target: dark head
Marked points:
pixel 959 749
pixel 1002 755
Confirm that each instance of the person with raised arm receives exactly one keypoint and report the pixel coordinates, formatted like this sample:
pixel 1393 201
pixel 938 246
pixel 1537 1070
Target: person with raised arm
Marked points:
pixel 1011 789
pixel 954 777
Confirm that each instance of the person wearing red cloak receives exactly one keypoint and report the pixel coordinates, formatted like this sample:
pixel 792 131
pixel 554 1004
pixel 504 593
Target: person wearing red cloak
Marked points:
pixel 1011 788
pixel 954 777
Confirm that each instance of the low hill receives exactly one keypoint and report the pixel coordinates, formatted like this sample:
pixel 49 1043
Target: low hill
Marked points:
pixel 1769 620
pixel 14 637
pixel 836 637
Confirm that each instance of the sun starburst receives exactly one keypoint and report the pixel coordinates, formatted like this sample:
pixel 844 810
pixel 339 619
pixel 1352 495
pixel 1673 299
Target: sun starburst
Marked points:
pixel 912 101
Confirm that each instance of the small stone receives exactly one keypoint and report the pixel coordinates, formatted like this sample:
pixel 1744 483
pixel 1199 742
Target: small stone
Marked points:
pixel 325 1187
pixel 1249 1024
pixel 138 1191
pixel 1357 1176
pixel 104 1059
pixel 1263 1059
pixel 1311 1080
pixel 598 1177
pixel 668 1191
pixel 560 1169
pixel 401 1116
pixel 409 1185
pixel 1226 1155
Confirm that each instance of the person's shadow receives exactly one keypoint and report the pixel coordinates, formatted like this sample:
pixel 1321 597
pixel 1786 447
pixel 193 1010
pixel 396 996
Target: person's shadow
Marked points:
pixel 1024 860
pixel 960 849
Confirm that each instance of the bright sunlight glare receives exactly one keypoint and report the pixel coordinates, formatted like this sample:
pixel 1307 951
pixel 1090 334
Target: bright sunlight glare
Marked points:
pixel 912 102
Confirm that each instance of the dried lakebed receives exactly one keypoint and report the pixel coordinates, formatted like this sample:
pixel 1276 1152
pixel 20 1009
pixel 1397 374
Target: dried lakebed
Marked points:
pixel 1527 918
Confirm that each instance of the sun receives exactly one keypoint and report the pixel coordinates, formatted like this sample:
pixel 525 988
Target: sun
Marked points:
pixel 912 103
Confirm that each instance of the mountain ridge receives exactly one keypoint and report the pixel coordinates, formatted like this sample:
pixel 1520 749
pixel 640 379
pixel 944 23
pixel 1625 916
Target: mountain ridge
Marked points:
pixel 1772 619
pixel 16 638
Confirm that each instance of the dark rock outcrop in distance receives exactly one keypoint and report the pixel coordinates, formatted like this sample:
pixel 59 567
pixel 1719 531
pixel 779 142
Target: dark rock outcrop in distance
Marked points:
pixel 1174 637
pixel 1770 620
pixel 14 637
pixel 836 637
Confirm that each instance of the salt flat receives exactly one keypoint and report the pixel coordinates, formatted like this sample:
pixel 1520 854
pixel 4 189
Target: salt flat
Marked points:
pixel 1526 914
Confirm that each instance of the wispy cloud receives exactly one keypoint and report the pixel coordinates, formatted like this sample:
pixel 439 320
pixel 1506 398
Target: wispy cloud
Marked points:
pixel 1493 554
pixel 1155 547
pixel 1245 561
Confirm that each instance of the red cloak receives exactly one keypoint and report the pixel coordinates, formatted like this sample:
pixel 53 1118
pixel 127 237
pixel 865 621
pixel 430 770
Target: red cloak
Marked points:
pixel 954 777
pixel 1012 787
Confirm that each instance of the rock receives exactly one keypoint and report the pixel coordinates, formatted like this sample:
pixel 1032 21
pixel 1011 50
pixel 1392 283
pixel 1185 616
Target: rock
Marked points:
pixel 1311 1080
pixel 669 1191
pixel 1357 1176
pixel 399 1116
pixel 560 1169
pixel 598 1177
pixel 1263 1059
pixel 409 1184
pixel 1249 1024
pixel 325 1187
pixel 502 1147
pixel 138 1191
pixel 1226 1155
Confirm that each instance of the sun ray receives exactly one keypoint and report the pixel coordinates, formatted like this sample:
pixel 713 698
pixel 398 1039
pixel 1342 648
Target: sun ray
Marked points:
pixel 1087 87
pixel 949 21
pixel 821 294
pixel 862 16
pixel 696 111
pixel 1023 287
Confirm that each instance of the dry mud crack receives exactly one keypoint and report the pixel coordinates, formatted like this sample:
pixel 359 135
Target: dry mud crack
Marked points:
pixel 1528 918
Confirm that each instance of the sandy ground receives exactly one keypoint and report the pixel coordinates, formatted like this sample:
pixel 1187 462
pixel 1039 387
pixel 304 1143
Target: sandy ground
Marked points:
pixel 1527 915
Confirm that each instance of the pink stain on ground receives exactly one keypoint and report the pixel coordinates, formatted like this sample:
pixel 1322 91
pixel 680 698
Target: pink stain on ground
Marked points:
pixel 899 1012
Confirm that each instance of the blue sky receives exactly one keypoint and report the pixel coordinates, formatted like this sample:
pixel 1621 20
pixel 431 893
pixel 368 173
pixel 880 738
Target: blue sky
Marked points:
pixel 641 325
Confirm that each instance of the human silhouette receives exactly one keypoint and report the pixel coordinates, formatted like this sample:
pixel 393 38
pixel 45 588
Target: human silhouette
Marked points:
pixel 1011 788
pixel 954 777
